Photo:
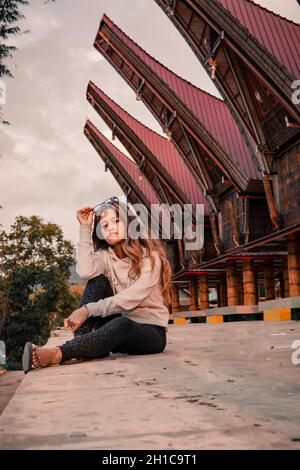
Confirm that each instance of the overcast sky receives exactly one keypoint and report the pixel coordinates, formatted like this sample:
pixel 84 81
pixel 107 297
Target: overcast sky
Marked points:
pixel 47 166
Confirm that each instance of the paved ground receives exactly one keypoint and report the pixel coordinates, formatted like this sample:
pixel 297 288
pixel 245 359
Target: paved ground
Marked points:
pixel 9 382
pixel 223 386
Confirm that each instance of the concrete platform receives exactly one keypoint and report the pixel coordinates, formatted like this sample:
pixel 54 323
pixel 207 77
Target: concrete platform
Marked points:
pixel 216 386
pixel 288 302
pixel 9 383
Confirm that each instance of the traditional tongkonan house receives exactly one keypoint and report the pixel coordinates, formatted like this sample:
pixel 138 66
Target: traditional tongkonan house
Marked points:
pixel 160 163
pixel 252 54
pixel 218 152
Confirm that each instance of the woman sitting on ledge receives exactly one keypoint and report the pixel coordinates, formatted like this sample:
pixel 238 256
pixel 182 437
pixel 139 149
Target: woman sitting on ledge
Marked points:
pixel 124 307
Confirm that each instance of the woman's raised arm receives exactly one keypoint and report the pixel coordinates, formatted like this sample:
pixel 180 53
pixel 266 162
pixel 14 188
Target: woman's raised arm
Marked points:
pixel 89 263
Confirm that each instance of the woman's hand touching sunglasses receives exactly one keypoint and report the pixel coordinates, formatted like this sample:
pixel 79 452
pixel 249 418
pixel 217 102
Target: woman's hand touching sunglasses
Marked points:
pixel 85 215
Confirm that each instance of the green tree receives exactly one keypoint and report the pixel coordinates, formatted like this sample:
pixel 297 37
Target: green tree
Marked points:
pixel 10 15
pixel 34 271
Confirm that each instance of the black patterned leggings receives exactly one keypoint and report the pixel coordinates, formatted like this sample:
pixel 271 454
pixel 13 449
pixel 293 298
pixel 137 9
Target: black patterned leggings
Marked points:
pixel 98 336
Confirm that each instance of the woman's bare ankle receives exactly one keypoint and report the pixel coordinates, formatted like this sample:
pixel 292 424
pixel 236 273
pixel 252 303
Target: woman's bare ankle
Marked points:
pixel 48 356
pixel 57 356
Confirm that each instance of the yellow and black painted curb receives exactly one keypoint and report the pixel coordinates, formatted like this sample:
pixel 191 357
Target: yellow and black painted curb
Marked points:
pixel 280 314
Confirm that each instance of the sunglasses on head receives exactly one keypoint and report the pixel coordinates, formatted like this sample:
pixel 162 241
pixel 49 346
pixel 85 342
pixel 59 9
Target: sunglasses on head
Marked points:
pixel 107 203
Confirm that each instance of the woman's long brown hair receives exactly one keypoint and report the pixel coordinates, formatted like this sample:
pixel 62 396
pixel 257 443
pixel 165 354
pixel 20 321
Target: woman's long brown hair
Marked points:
pixel 134 250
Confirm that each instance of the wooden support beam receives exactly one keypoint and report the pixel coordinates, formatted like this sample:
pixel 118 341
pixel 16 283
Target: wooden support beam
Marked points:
pixel 286 282
pixel 232 283
pixel 203 288
pixel 193 294
pixel 240 288
pixel 223 292
pixel 250 285
pixel 269 279
pixel 175 299
pixel 215 47
pixel 293 245
pixel 218 287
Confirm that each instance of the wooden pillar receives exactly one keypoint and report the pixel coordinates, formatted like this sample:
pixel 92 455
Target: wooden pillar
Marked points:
pixel 256 287
pixel 293 245
pixel 193 294
pixel 223 292
pixel 218 287
pixel 232 283
pixel 175 299
pixel 250 286
pixel 269 279
pixel 203 287
pixel 286 283
pixel 240 288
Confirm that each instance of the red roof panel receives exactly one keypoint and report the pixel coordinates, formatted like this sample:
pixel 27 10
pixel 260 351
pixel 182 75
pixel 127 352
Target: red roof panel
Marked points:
pixel 278 35
pixel 163 150
pixel 129 166
pixel 210 111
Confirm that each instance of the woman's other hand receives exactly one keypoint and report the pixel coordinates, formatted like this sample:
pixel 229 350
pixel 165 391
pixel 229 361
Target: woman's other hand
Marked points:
pixel 85 216
pixel 76 319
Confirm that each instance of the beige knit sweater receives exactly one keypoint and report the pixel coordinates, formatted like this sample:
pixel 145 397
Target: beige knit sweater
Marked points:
pixel 141 299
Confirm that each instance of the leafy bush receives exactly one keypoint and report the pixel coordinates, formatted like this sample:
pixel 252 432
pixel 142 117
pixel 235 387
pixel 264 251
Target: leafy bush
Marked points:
pixel 34 272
